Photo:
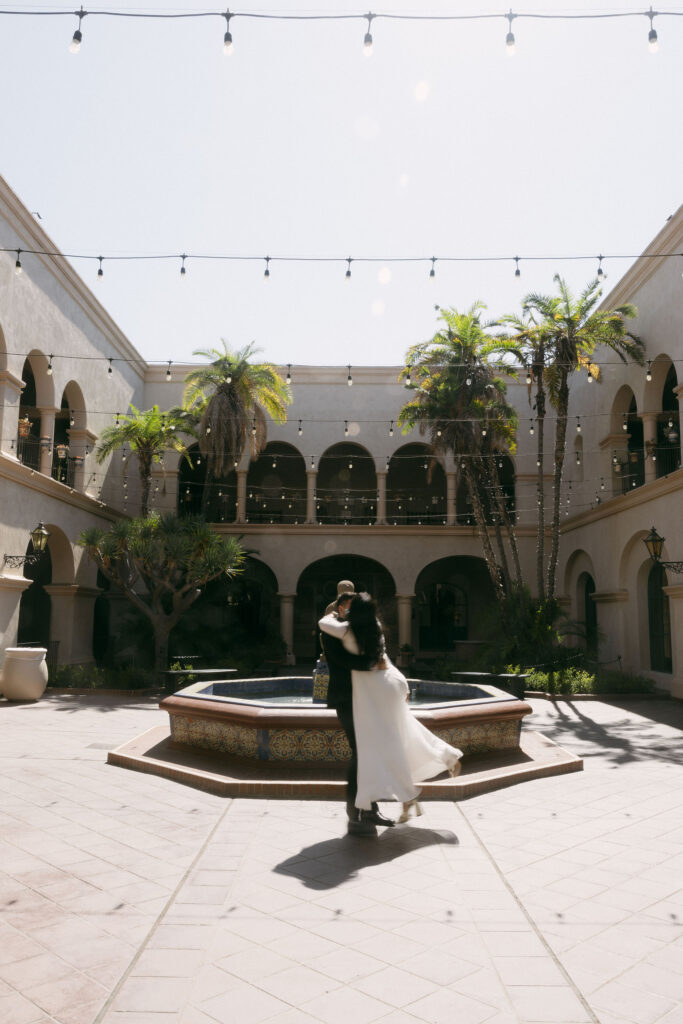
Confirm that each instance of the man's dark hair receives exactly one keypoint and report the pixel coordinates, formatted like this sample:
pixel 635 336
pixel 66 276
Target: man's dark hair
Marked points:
pixel 342 598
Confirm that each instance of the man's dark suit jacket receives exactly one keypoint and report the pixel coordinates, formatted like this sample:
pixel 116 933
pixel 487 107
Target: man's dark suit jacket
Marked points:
pixel 340 663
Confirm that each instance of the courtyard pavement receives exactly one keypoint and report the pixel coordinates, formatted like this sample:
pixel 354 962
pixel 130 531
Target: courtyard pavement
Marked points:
pixel 129 899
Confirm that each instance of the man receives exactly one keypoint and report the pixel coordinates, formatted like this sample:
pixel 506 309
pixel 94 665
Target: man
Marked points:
pixel 340 697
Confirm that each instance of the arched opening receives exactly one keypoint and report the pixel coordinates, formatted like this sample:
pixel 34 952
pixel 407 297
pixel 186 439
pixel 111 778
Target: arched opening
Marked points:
pixel 28 433
pixel 453 598
pixel 234 618
pixel 276 485
pixel 35 606
pixel 346 487
pixel 588 611
pixel 633 473
pixel 317 586
pixel 70 415
pixel 416 487
pixel 659 620
pixel 101 623
pixel 668 450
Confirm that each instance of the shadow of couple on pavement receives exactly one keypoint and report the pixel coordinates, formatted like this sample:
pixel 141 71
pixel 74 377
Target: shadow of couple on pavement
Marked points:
pixel 331 862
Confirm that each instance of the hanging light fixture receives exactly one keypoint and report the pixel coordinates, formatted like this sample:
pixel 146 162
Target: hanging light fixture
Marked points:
pixel 391 429
pixel 183 272
pixel 288 378
pixel 348 269
pixel 510 37
pixel 227 38
pixel 346 428
pixel 652 41
pixel 432 272
pixel 648 372
pixel 300 429
pixel 49 366
pixel 75 44
pixel 168 371
pixel 17 263
pixel 367 41
pixel 601 273
pixel 266 272
pixel 349 379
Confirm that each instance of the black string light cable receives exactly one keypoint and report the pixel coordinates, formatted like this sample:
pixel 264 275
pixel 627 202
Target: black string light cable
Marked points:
pixel 367 20
pixel 346 261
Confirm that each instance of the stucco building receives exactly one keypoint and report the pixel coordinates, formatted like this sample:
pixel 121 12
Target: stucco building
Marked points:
pixel 339 490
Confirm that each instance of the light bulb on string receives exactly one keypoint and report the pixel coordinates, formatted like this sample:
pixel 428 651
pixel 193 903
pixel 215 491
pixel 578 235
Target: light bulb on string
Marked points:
pixel 652 41
pixel 624 425
pixel 578 425
pixel 531 427
pixel 602 484
pixel 72 420
pixel 288 378
pixel 348 269
pixel 227 38
pixel 17 264
pixel 408 377
pixel 648 372
pixel 110 371
pixel 168 371
pixel 518 272
pixel 300 429
pixel 77 39
pixel 367 41
pixel 266 272
pixel 601 273
pixel 590 377
pixel 100 272
pixel 391 429
pixel 510 37
pixel 432 272
pixel 349 379
pixel 528 376
pixel 253 427
pixel 346 428
pixel 49 366
pixel 118 419
pixel 182 266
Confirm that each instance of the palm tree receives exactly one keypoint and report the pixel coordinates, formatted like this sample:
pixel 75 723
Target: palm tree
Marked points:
pixel 569 330
pixel 460 402
pixel 232 398
pixel 148 434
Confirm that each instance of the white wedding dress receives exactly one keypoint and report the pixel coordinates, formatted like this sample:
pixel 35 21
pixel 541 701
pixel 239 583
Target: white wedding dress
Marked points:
pixel 395 751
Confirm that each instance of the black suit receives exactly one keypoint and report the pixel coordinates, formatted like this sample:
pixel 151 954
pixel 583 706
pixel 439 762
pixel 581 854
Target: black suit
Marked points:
pixel 340 697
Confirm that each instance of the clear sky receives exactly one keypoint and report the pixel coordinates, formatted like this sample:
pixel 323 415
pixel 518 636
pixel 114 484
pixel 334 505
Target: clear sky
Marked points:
pixel 150 140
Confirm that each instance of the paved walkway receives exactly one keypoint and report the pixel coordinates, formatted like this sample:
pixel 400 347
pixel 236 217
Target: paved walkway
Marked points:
pixel 127 899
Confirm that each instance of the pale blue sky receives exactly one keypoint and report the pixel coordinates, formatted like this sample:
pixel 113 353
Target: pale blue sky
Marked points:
pixel 151 141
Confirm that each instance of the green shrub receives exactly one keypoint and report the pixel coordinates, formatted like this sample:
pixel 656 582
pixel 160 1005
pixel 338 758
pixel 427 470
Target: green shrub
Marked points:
pixel 90 677
pixel 569 680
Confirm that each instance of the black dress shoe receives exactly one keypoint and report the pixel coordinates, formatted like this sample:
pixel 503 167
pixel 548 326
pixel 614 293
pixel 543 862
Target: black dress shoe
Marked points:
pixel 377 818
pixel 352 812
pixel 363 828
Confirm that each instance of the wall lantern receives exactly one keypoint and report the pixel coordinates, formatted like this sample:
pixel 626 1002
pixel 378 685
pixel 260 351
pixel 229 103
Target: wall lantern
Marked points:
pixel 39 538
pixel 654 544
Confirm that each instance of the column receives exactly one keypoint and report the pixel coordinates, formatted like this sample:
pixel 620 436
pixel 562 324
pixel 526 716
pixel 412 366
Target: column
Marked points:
pixel 47 434
pixel 241 496
pixel 10 399
pixel 451 497
pixel 405 615
pixel 287 624
pixel 81 443
pixel 71 621
pixel 311 480
pixel 675 595
pixel 11 589
pixel 381 497
pixel 611 624
pixel 649 421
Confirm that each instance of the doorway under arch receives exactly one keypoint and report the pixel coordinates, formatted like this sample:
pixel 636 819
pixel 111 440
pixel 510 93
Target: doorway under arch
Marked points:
pixel 453 599
pixel 317 586
pixel 659 619
pixel 35 607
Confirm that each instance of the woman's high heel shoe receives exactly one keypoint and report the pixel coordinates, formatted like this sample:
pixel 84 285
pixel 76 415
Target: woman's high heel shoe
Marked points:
pixel 411 807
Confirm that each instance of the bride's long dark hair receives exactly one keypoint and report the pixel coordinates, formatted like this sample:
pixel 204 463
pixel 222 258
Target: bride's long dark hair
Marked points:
pixel 362 619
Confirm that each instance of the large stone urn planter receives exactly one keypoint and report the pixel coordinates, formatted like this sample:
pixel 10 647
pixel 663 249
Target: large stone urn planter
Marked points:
pixel 24 673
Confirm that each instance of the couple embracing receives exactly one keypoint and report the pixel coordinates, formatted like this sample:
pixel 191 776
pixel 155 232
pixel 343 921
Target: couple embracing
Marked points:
pixel 391 751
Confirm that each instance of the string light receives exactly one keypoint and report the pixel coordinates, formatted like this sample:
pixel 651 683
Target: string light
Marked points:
pixel 49 366
pixel 367 41
pixel 432 272
pixel 652 41
pixel 348 269
pixel 391 429
pixel 17 264
pixel 100 272
pixel 72 420
pixel 346 428
pixel 110 371
pixel 266 272
pixel 578 425
pixel 648 372
pixel 518 272
pixel 288 378
pixel 601 272
pixel 75 44
pixel 300 431
pixel 408 377
pixel 227 38
pixel 624 425
pixel 182 266
pixel 168 371
pixel 349 379
pixel 253 427
pixel 510 38
pixel 528 376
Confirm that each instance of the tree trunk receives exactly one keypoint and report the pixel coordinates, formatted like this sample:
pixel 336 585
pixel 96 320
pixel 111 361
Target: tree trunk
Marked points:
pixel 483 532
pixel 489 474
pixel 540 488
pixel 509 528
pixel 560 443
pixel 162 632
pixel 145 466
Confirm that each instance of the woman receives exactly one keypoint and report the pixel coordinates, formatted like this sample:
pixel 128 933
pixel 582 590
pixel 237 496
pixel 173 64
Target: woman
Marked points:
pixel 395 751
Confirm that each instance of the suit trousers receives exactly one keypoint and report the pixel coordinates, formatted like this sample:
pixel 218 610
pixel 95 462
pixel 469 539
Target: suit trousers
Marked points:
pixel 345 716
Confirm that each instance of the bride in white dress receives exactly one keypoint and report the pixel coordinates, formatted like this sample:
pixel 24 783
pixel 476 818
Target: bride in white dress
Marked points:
pixel 395 751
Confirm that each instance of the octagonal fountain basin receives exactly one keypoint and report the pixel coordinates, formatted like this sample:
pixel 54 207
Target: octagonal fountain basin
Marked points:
pixel 275 719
